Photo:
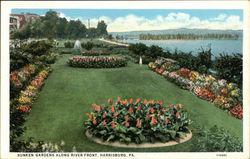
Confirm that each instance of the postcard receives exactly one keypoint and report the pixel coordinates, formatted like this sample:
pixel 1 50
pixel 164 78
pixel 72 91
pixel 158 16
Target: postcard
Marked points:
pixel 125 79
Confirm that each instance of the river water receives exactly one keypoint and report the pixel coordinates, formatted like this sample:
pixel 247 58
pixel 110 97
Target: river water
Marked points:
pixel 194 46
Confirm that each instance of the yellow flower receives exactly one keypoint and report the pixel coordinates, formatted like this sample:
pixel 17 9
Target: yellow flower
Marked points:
pixel 24 100
pixel 31 87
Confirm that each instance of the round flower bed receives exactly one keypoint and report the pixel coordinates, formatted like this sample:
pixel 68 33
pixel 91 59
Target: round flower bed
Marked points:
pixel 137 122
pixel 94 53
pixel 97 62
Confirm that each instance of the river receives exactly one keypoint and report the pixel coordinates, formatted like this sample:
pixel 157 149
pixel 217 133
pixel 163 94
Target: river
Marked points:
pixel 194 46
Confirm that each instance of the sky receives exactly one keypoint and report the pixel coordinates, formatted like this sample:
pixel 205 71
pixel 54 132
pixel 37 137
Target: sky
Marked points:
pixel 121 20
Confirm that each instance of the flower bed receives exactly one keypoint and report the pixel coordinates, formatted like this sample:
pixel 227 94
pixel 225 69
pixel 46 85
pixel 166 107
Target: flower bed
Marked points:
pixel 94 53
pixel 137 121
pixel 19 79
pixel 28 96
pixel 225 95
pixel 97 62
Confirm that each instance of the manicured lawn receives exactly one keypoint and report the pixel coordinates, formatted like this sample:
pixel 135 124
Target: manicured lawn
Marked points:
pixel 69 93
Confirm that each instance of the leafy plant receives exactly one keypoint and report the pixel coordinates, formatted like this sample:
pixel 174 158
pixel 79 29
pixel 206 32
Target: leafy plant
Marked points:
pixel 138 121
pixel 230 67
pixel 216 140
pixel 88 46
pixel 68 44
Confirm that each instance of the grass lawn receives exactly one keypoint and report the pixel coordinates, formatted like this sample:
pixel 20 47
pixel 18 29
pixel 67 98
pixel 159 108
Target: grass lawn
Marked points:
pixel 69 93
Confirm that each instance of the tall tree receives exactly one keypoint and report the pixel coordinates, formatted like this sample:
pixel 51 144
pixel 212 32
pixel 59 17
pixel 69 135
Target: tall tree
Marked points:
pixel 102 28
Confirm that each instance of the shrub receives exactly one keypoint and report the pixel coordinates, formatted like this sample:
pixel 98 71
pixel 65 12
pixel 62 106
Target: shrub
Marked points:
pixel 137 121
pixel 229 67
pixel 154 51
pixel 37 48
pixel 138 48
pixel 97 62
pixel 216 140
pixel 68 44
pixel 35 146
pixel 88 46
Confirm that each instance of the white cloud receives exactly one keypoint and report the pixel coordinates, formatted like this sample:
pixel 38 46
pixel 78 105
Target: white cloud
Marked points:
pixel 171 21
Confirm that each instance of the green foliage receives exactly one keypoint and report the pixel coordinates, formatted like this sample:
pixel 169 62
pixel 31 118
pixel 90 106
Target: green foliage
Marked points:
pixel 102 28
pixel 201 62
pixel 88 46
pixel 138 122
pixel 52 26
pixel 68 44
pixel 34 146
pixel 229 67
pixel 154 51
pixel 216 140
pixel 37 48
pixel 97 62
pixel 138 48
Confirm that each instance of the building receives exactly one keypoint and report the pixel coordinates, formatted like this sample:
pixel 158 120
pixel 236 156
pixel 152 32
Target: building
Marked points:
pixel 17 21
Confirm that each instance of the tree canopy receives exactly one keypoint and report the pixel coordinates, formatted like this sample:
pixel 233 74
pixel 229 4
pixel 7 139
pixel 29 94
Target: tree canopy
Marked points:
pixel 52 26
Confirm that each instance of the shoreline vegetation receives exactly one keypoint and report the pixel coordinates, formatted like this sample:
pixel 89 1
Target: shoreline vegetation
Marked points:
pixel 188 36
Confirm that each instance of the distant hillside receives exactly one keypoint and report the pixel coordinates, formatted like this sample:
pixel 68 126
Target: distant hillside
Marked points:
pixel 135 34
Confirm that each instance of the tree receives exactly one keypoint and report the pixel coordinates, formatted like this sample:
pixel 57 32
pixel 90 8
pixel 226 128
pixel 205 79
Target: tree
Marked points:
pixel 139 49
pixel 102 28
pixel 154 51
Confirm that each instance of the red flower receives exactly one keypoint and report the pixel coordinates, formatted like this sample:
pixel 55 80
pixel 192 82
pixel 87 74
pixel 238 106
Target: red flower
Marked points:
pixel 139 108
pixel 89 115
pixel 145 102
pixel 113 124
pixel 151 110
pixel 138 100
pixel 115 114
pixel 125 102
pixel 224 91
pixel 160 103
pixel 152 102
pixel 119 99
pixel 94 122
pixel 102 107
pixel 112 109
pixel 153 121
pixel 110 101
pixel 96 107
pixel 166 121
pixel 138 123
pixel 104 115
pixel 131 101
pixel 104 123
pixel 126 117
pixel 148 116
pixel 24 108
pixel 127 124
pixel 170 106
pixel 131 110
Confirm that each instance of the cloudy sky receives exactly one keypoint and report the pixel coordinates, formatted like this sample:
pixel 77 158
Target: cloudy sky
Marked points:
pixel 151 19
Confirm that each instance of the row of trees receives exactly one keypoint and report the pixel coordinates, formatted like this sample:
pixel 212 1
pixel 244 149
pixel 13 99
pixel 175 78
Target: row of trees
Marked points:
pixel 52 26
pixel 187 36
